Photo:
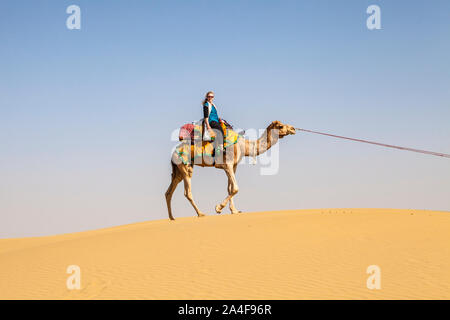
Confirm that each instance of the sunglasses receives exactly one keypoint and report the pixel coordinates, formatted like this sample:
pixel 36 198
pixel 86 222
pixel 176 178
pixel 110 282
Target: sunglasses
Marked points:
pixel 210 96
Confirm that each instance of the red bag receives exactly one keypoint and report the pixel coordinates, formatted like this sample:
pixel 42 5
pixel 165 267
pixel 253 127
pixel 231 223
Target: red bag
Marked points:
pixel 186 132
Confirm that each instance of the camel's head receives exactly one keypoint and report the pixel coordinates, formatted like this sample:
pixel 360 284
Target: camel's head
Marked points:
pixel 283 129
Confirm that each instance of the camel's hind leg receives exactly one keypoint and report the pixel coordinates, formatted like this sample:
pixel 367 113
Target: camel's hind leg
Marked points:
pixel 186 172
pixel 176 179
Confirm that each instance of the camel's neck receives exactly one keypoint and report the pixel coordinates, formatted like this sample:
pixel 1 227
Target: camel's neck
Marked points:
pixel 265 142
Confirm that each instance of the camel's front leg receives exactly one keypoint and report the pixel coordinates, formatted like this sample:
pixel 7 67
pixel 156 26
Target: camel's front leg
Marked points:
pixel 232 190
pixel 232 207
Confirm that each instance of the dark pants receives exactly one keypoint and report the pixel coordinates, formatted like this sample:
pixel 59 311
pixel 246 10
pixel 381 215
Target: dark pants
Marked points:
pixel 218 131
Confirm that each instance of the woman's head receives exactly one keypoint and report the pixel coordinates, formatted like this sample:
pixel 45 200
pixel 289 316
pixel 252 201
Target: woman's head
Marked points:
pixel 209 97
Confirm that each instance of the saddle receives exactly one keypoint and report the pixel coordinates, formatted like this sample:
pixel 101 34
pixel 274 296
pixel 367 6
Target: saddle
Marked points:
pixel 193 146
pixel 194 131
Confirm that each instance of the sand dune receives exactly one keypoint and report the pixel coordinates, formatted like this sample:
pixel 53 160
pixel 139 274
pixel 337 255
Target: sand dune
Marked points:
pixel 299 254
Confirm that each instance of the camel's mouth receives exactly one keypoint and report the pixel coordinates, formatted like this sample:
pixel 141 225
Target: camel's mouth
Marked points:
pixel 288 130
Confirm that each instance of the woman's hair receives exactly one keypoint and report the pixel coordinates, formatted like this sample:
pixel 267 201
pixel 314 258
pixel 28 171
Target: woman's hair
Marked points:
pixel 206 97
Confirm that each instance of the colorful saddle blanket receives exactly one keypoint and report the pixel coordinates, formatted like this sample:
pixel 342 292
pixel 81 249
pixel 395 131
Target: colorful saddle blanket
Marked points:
pixel 194 153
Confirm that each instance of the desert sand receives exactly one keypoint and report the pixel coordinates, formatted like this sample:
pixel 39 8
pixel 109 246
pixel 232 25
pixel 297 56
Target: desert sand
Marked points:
pixel 299 254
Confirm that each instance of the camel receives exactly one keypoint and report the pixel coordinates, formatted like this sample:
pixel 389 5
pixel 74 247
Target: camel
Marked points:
pixel 231 158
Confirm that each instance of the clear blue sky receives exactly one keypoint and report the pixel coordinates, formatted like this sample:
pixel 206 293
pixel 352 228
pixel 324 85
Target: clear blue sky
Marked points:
pixel 86 115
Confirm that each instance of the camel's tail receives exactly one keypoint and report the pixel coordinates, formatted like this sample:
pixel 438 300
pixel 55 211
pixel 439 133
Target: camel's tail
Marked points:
pixel 174 168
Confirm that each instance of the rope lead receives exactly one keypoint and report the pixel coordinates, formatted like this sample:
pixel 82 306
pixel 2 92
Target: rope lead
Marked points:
pixel 380 144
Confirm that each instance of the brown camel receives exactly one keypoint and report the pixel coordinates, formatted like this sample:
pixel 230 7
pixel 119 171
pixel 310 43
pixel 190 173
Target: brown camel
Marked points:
pixel 234 154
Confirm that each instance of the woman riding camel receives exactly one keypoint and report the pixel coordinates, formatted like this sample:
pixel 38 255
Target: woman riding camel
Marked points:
pixel 212 120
